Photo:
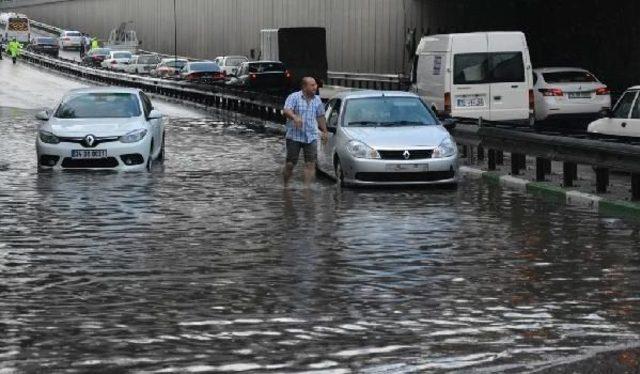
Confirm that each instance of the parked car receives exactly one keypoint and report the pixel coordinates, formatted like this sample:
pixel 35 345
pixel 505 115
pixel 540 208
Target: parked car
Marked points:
pixel 95 56
pixel 117 60
pixel 203 72
pixel 169 67
pixel 476 75
pixel 230 64
pixel 101 128
pixel 70 39
pixel 44 45
pixel 386 138
pixel 623 120
pixel 568 93
pixel 271 75
pixel 142 64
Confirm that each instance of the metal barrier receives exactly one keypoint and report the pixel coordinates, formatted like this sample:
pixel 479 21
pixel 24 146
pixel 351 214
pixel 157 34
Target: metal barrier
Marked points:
pixel 369 81
pixel 602 156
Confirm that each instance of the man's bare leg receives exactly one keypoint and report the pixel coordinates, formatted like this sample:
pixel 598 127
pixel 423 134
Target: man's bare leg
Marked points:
pixel 309 173
pixel 287 173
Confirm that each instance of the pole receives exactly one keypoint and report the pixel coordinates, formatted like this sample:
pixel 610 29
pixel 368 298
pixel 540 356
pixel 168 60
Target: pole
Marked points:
pixel 175 38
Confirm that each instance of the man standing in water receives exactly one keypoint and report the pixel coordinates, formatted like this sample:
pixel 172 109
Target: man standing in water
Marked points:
pixel 305 113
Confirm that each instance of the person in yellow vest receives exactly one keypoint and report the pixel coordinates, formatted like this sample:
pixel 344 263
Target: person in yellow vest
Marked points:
pixel 14 49
pixel 94 43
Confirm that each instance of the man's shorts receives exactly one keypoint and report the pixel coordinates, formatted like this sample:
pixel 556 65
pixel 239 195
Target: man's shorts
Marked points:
pixel 293 151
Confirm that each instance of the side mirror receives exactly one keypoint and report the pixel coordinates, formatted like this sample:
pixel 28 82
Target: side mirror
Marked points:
pixel 43 115
pixel 606 113
pixel 449 123
pixel 154 114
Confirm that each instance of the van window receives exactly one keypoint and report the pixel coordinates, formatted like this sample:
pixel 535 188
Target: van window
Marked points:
pixel 470 68
pixel 479 68
pixel 506 67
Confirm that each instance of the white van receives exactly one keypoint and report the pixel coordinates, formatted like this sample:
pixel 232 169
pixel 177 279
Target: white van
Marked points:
pixel 476 75
pixel 16 26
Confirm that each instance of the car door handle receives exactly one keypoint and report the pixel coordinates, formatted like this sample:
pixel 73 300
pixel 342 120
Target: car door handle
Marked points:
pixel 515 86
pixel 497 98
pixel 624 124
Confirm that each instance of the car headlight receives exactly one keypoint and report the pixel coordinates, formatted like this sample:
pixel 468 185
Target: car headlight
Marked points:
pixel 447 148
pixel 358 149
pixel 47 137
pixel 134 136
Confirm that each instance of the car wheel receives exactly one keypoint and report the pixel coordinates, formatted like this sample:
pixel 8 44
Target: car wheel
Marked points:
pixel 339 173
pixel 150 159
pixel 161 154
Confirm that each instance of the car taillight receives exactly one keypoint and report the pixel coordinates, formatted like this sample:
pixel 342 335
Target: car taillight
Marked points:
pixel 532 100
pixel 114 62
pixel 252 76
pixel 66 39
pixel 447 102
pixel 603 91
pixel 551 92
pixel 287 74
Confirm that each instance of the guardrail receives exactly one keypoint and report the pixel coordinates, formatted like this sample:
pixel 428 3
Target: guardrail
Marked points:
pixel 602 156
pixel 255 104
pixel 369 81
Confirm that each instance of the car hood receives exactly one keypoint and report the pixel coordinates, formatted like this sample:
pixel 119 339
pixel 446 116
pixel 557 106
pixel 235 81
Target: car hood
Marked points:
pixel 398 137
pixel 100 127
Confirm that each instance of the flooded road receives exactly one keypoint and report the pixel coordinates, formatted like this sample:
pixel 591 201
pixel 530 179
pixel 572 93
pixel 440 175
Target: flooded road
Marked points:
pixel 208 265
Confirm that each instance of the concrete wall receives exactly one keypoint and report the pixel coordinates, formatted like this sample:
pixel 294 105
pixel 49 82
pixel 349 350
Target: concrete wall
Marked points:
pixel 362 35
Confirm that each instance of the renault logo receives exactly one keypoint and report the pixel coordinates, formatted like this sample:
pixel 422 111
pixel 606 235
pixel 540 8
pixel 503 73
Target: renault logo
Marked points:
pixel 406 155
pixel 89 140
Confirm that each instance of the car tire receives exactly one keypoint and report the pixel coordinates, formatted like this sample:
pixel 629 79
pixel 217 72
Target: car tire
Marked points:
pixel 150 159
pixel 339 173
pixel 161 154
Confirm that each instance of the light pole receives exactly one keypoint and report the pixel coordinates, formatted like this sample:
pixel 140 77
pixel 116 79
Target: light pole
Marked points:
pixel 175 38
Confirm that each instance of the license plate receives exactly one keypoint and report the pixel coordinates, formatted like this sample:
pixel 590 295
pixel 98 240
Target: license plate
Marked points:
pixel 84 153
pixel 408 167
pixel 470 101
pixel 579 95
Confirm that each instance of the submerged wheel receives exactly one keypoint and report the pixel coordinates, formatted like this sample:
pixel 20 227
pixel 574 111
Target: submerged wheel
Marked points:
pixel 339 173
pixel 150 159
pixel 161 154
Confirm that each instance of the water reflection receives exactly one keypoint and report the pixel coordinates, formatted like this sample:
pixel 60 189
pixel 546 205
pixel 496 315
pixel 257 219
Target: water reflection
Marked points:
pixel 209 265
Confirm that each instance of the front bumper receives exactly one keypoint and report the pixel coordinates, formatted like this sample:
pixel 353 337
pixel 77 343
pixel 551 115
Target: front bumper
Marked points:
pixel 381 172
pixel 117 155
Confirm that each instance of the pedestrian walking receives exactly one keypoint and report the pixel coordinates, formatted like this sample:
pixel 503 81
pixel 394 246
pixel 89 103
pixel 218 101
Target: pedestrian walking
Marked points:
pixel 84 43
pixel 305 113
pixel 14 49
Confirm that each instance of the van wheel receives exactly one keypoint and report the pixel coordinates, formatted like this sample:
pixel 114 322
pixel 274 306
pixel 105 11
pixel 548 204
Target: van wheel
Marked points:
pixel 339 173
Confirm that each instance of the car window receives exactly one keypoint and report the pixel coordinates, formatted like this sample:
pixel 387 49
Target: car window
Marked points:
pixel 470 68
pixel 146 104
pixel 72 33
pixel 264 67
pixel 121 55
pixel 387 111
pixel 635 113
pixel 204 66
pixel 234 61
pixel 569 77
pixel 46 41
pixel 624 105
pixel 148 60
pixel 100 105
pixel 334 113
pixel 535 78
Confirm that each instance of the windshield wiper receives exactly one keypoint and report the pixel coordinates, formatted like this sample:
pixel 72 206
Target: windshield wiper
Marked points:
pixel 404 123
pixel 363 123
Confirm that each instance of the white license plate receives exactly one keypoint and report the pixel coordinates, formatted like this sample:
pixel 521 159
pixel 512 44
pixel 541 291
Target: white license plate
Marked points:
pixel 408 167
pixel 470 101
pixel 579 95
pixel 85 153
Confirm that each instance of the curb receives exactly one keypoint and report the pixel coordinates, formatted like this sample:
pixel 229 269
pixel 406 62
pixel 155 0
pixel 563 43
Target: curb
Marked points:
pixel 557 194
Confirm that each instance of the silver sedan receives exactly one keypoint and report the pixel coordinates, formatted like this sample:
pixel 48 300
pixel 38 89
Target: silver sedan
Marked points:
pixel 386 138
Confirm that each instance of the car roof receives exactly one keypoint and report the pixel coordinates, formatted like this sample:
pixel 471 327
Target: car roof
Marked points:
pixel 90 90
pixel 167 59
pixel 372 94
pixel 558 69
pixel 265 62
pixel 633 88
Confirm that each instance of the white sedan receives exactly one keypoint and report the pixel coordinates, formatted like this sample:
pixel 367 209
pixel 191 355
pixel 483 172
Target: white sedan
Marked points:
pixel 101 128
pixel 568 93
pixel 623 121
pixel 117 60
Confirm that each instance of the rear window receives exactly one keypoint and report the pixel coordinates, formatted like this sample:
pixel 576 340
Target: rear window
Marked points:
pixel 46 41
pixel 122 55
pixel 173 63
pixel 72 33
pixel 100 51
pixel 478 68
pixel 265 67
pixel 100 105
pixel 569 77
pixel 235 61
pixel 148 60
pixel 204 66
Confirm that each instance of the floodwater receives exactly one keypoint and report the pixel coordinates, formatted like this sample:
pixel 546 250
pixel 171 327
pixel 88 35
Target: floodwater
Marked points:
pixel 208 265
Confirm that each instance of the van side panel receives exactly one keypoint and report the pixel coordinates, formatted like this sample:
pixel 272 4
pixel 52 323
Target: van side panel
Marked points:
pixel 433 60
pixel 510 96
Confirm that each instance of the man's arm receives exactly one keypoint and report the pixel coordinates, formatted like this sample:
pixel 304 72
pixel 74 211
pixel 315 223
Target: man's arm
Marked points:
pixel 290 114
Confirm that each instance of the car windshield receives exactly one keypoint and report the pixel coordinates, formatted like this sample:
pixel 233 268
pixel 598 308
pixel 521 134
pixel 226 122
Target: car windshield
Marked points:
pixel 387 111
pixel 46 41
pixel 122 55
pixel 100 105
pixel 235 61
pixel 173 63
pixel 204 66
pixel 100 51
pixel 72 33
pixel 265 67
pixel 569 77
pixel 148 60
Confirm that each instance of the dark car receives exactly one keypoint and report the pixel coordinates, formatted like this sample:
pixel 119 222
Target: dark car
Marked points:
pixel 202 72
pixel 95 56
pixel 265 75
pixel 44 45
